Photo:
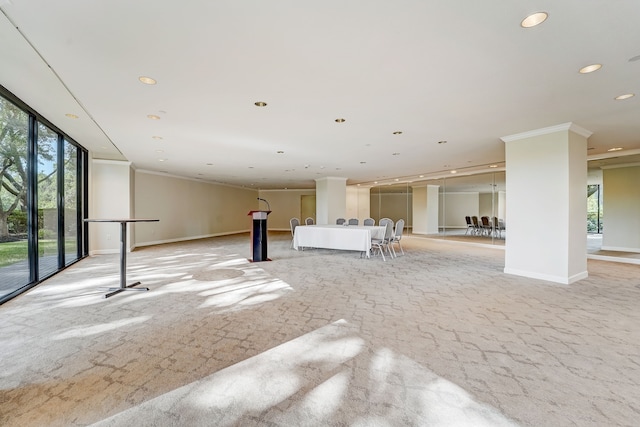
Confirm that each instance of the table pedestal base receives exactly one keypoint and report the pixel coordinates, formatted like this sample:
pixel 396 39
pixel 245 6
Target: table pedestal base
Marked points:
pixel 113 291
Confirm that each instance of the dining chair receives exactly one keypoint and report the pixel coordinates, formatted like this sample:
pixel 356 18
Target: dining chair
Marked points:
pixel 293 223
pixel 397 236
pixel 487 228
pixel 470 227
pixel 309 221
pixel 353 221
pixel 340 221
pixel 369 221
pixel 477 228
pixel 382 244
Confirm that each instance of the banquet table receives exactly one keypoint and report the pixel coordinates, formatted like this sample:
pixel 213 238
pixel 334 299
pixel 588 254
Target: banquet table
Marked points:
pixel 348 238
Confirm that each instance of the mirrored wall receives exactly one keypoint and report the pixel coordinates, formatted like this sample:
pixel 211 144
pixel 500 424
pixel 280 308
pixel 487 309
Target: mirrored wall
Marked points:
pixel 468 208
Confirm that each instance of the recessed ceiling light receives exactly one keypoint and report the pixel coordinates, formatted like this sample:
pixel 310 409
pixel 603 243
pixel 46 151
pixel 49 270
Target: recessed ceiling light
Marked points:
pixel 625 96
pixel 590 68
pixel 147 80
pixel 493 166
pixel 162 160
pixel 454 171
pixel 615 149
pixel 397 180
pixel 534 19
pixel 156 137
pixel 153 117
pixel 340 120
pixel 375 182
pixel 363 163
pixel 209 164
pixel 395 154
pixel 280 152
pixel 260 104
pixel 71 116
pixel 442 142
pixel 421 176
pixel 398 132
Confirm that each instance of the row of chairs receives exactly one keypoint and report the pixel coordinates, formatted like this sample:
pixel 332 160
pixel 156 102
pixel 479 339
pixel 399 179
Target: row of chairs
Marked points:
pixel 355 221
pixel 485 226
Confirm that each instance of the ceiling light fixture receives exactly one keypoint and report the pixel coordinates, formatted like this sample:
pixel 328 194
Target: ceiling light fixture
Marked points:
pixel 398 132
pixel 340 120
pixel 280 152
pixel 454 171
pixel 147 80
pixel 156 137
pixel 71 116
pixel 395 154
pixel 625 96
pixel 421 176
pixel 260 104
pixel 442 142
pixel 534 19
pixel 590 68
pixel 493 166
pixel 615 149
pixel 153 117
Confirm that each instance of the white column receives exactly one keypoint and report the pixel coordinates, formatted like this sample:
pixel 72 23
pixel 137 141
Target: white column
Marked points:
pixel 358 202
pixel 546 191
pixel 425 209
pixel 331 199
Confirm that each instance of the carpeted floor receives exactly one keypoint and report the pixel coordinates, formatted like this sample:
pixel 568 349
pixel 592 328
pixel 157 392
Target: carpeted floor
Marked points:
pixel 437 337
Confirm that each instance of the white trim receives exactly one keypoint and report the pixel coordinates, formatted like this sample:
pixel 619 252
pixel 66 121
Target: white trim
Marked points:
pixel 111 162
pixel 185 239
pixel 545 131
pixel 186 178
pixel 619 249
pixel 621 165
pixel 614 259
pixel 610 154
pixel 547 277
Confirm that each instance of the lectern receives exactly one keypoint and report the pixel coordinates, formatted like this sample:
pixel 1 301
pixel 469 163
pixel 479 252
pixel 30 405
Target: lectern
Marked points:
pixel 259 235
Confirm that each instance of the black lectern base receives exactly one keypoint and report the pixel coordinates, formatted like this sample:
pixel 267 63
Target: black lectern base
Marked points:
pixel 251 260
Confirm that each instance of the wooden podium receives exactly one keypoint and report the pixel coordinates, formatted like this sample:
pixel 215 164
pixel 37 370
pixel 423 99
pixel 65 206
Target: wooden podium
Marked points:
pixel 259 235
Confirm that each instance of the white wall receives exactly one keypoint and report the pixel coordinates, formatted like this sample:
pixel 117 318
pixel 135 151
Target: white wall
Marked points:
pixel 188 208
pixel 285 204
pixel 455 206
pixel 621 208
pixel 110 183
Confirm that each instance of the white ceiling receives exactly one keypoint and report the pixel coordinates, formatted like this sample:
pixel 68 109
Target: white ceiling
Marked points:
pixel 464 72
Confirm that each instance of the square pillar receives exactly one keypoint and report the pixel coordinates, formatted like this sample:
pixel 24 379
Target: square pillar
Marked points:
pixel 546 191
pixel 425 209
pixel 331 199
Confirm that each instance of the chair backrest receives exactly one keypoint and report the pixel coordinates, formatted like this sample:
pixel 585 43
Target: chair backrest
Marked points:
pixel 369 221
pixel 340 221
pixel 474 219
pixel 353 221
pixel 399 227
pixel 308 221
pixel 388 231
pixel 468 219
pixel 383 221
pixel 485 221
pixel 496 224
pixel 294 222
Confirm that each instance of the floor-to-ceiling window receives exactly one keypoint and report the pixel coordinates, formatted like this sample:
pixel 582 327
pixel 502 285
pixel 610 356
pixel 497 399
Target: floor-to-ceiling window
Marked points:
pixel 42 198
pixel 14 262
pixel 46 196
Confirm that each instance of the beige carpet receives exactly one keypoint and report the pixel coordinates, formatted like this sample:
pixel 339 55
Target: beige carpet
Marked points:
pixel 438 337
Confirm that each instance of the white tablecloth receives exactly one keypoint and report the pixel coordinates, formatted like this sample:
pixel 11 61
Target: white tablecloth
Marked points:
pixel 349 238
